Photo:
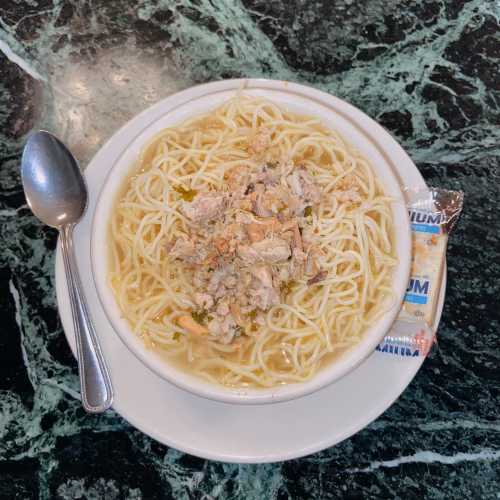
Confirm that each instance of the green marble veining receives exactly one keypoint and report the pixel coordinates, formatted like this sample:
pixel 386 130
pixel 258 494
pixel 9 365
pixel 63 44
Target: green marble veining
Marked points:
pixel 428 71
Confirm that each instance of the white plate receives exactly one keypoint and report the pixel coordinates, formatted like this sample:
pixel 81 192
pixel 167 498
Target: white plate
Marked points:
pixel 235 433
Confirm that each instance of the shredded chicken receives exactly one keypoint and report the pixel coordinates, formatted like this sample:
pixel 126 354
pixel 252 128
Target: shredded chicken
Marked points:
pixel 317 278
pixel 303 186
pixel 205 207
pixel 263 275
pixel 246 245
pixel 270 251
pixel 203 300
pixel 188 251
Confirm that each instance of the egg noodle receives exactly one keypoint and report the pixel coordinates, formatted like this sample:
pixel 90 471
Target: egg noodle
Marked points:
pixel 312 324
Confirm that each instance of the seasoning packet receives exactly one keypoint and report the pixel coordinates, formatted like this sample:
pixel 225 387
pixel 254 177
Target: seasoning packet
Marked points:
pixel 433 215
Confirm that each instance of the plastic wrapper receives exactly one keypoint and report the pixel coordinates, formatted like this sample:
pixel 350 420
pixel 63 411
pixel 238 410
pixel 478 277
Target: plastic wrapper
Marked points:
pixel 433 215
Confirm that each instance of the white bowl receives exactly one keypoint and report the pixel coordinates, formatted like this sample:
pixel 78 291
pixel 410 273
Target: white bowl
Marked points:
pixel 299 99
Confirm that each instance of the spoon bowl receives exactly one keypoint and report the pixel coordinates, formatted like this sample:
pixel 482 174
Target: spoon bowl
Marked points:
pixel 54 187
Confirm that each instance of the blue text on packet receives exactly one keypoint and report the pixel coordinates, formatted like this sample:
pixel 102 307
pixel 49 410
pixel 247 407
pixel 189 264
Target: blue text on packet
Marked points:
pixel 415 299
pixel 424 228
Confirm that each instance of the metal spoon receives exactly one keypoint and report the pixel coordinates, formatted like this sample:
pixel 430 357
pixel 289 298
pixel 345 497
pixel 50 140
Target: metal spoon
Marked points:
pixel 57 195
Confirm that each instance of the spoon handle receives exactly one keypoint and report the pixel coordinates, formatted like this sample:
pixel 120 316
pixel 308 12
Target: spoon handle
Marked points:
pixel 95 383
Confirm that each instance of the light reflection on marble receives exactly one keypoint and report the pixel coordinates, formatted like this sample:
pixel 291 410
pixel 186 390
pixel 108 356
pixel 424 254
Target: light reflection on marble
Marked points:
pixel 79 95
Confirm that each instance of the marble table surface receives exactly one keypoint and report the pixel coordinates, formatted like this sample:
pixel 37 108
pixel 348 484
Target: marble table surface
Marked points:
pixel 427 70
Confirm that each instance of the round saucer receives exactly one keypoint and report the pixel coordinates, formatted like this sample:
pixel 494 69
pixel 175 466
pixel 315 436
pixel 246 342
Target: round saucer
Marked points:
pixel 230 432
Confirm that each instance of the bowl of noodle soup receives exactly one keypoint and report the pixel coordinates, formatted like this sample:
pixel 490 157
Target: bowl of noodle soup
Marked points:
pixel 251 246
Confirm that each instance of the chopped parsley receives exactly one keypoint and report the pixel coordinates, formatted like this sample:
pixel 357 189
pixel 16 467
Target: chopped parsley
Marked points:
pixel 186 194
pixel 308 211
pixel 287 287
pixel 199 316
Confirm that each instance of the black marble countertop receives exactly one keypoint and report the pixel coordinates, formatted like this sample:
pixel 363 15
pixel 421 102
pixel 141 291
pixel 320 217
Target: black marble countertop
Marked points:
pixel 428 71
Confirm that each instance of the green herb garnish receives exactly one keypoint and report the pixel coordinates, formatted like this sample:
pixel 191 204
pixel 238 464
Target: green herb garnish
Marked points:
pixel 287 287
pixel 186 194
pixel 176 336
pixel 308 211
pixel 199 316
